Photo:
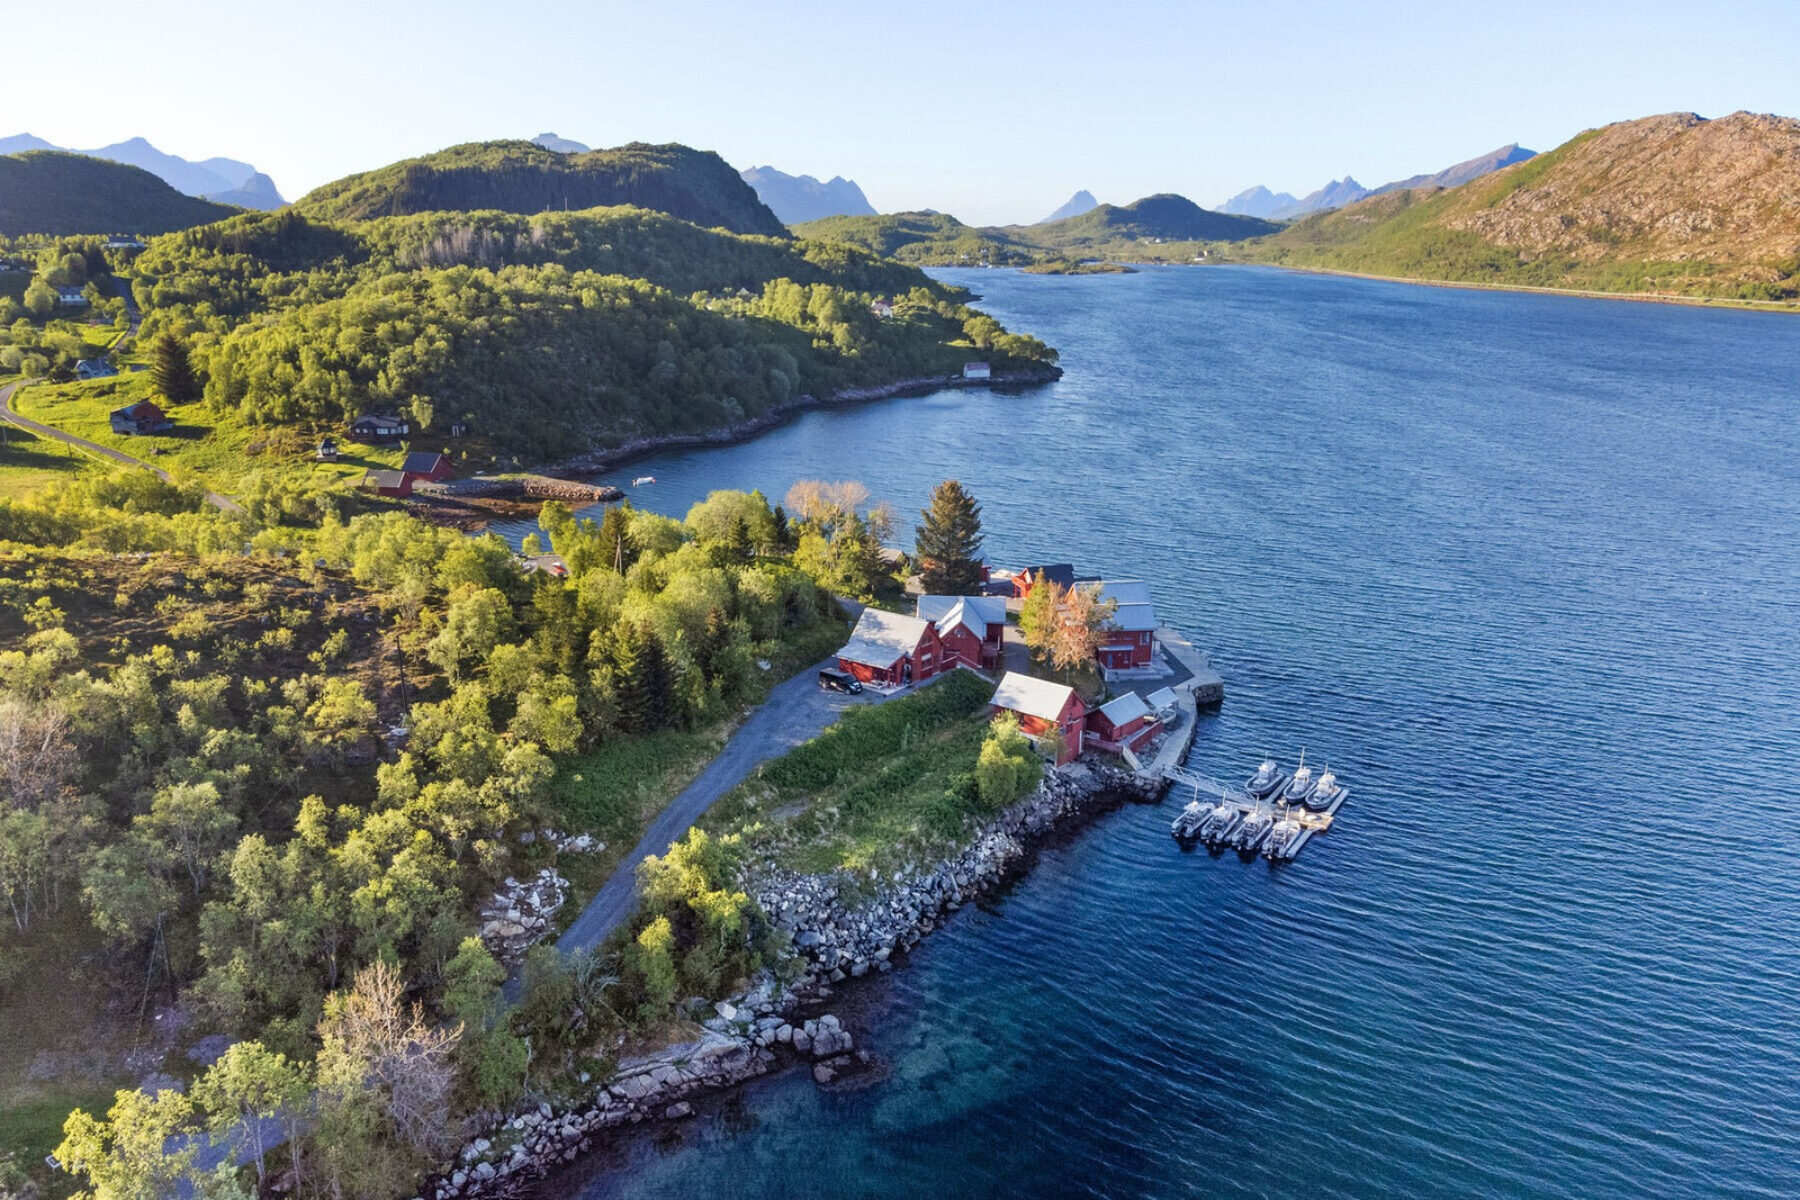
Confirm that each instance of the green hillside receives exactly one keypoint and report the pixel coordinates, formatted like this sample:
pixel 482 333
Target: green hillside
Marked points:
pixel 50 192
pixel 1672 205
pixel 1157 228
pixel 520 177
pixel 549 334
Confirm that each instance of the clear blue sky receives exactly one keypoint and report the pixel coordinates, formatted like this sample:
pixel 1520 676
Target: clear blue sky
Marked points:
pixel 993 111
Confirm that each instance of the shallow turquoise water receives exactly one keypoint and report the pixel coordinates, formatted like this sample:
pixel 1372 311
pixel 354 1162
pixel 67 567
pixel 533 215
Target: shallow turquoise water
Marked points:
pixel 1525 571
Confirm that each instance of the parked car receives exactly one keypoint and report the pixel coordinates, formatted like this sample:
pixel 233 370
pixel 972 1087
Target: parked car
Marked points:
pixel 834 680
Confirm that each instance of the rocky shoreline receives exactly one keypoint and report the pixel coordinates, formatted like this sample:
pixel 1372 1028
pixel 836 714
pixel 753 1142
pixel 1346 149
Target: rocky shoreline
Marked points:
pixel 841 929
pixel 596 461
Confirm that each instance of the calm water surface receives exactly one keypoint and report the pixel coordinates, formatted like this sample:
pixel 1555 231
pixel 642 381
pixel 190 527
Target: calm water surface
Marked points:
pixel 1525 571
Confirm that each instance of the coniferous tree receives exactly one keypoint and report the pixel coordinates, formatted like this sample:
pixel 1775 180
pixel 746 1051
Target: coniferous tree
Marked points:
pixel 662 708
pixel 784 534
pixel 173 371
pixel 617 547
pixel 949 541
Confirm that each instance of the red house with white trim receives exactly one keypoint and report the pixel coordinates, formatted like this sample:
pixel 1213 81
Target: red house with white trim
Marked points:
pixel 423 464
pixel 1131 632
pixel 892 650
pixel 972 628
pixel 1041 706
pixel 1126 721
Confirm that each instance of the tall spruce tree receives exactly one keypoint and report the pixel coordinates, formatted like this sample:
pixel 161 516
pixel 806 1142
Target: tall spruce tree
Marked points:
pixel 949 542
pixel 173 371
pixel 617 547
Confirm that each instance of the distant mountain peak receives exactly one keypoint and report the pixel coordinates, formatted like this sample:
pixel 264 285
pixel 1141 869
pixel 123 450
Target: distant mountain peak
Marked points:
pixel 238 181
pixel 796 199
pixel 561 145
pixel 1074 206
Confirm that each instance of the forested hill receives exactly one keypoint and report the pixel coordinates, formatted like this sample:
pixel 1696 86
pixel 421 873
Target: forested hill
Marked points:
pixel 52 192
pixel 1164 227
pixel 550 334
pixel 1670 205
pixel 521 177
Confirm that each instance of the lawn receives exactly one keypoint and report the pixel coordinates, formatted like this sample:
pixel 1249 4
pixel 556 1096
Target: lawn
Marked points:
pixel 881 787
pixel 29 463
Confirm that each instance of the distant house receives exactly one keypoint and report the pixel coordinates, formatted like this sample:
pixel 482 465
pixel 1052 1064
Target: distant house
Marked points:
pixel 94 368
pixel 892 650
pixel 1042 706
pixel 1131 631
pixel 1126 722
pixel 327 451
pixel 397 484
pixel 977 370
pixel 423 464
pixel 378 429
pixel 971 628
pixel 882 309
pixel 124 243
pixel 141 418
pixel 1061 574
pixel 549 564
pixel 71 297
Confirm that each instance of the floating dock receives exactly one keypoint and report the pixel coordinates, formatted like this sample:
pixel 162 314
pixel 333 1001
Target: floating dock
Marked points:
pixel 1206 790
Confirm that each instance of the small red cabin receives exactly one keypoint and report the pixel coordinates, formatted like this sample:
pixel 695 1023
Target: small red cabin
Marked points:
pixel 423 464
pixel 397 484
pixel 892 650
pixel 1126 721
pixel 1041 706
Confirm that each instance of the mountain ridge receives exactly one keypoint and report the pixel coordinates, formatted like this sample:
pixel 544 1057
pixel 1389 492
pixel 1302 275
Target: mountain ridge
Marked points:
pixel 796 199
pixel 1259 201
pixel 1081 202
pixel 64 194
pixel 211 178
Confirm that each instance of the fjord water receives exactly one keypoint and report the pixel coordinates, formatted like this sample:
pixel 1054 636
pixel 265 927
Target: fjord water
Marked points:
pixel 1525 571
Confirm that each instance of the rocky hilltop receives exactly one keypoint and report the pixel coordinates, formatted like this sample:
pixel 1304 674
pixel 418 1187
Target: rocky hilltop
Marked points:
pixel 1674 205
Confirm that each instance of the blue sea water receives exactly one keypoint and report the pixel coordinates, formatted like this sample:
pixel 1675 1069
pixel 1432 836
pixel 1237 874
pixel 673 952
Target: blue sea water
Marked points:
pixel 1525 571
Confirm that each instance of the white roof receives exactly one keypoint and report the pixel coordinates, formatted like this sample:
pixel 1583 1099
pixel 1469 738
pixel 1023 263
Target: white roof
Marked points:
pixel 976 612
pixel 1134 617
pixel 882 638
pixel 1126 708
pixel 1032 696
pixel 1125 591
pixel 1161 698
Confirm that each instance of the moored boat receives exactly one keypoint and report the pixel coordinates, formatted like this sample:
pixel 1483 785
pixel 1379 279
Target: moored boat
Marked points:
pixel 1282 837
pixel 1255 828
pixel 1325 793
pixel 1299 787
pixel 1187 822
pixel 1267 779
pixel 1221 819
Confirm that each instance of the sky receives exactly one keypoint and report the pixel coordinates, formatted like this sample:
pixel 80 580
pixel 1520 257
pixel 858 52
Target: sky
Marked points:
pixel 995 112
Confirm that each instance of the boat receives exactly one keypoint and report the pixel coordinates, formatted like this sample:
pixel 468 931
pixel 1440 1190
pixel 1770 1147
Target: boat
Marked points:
pixel 1268 777
pixel 1255 828
pixel 1221 819
pixel 1187 822
pixel 641 480
pixel 1282 837
pixel 1325 793
pixel 1300 786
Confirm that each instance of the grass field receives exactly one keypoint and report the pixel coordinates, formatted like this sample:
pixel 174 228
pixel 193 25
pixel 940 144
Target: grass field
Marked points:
pixel 29 463
pixel 881 787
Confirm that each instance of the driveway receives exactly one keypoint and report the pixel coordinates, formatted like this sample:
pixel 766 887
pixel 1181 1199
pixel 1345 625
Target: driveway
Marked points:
pixel 796 711
pixel 8 413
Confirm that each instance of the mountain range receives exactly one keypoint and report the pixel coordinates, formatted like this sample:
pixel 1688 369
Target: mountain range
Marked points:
pixel 1673 205
pixel 1259 201
pixel 225 180
pixel 60 193
pixel 799 198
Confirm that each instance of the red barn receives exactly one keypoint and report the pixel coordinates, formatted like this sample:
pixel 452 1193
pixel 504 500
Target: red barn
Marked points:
pixel 397 484
pixel 1041 706
pixel 1125 721
pixel 1062 574
pixel 892 650
pixel 423 464
pixel 973 628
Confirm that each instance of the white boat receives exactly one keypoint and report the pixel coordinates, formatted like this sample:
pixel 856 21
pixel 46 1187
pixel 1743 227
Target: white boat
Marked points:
pixel 1221 819
pixel 1324 793
pixel 1187 822
pixel 1255 828
pixel 1299 787
pixel 1282 838
pixel 641 480
pixel 1268 777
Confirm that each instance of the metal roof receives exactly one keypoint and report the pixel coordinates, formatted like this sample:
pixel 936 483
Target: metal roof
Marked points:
pixel 1161 698
pixel 881 638
pixel 976 612
pixel 1032 696
pixel 1125 709
pixel 1125 591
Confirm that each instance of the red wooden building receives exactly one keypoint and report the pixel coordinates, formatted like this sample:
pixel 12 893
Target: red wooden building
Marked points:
pixel 1130 640
pixel 423 464
pixel 972 628
pixel 1041 706
pixel 396 484
pixel 1123 722
pixel 892 650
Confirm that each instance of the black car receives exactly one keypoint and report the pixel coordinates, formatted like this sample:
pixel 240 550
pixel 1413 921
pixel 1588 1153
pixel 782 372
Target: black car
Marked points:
pixel 834 680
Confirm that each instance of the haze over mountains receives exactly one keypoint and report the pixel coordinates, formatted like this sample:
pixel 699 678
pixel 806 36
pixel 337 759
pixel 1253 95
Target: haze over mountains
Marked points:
pixel 1259 201
pixel 225 180
pixel 799 198
pixel 1081 202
